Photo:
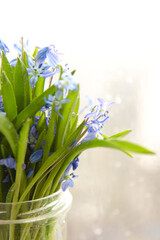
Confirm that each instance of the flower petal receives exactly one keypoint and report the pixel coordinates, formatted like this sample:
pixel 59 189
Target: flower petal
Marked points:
pixel 52 58
pixel 33 80
pixel 3 47
pixel 41 55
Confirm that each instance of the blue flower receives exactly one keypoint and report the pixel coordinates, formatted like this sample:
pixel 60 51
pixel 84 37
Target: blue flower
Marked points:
pixel 50 54
pixel 38 70
pixel 96 118
pixel 29 172
pixel 57 100
pixel 66 82
pixel 36 156
pixel 75 163
pixel 99 112
pixel 3 47
pixel 67 178
pixel 33 136
pixel 1 106
pixel 94 131
pixel 8 162
pixel 67 182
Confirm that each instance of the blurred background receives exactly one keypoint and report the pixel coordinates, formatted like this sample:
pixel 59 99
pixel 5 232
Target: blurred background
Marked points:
pixel 115 48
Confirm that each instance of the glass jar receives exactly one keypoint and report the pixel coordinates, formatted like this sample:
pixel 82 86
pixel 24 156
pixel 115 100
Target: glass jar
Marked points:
pixel 41 219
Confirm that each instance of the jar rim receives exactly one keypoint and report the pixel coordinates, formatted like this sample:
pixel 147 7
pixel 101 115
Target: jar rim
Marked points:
pixel 49 207
pixel 38 199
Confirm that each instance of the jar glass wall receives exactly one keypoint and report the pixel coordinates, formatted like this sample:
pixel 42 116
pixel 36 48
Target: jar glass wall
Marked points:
pixel 41 219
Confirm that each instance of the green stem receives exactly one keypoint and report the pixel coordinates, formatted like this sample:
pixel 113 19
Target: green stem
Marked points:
pixel 22 49
pixel 1 178
pixel 47 184
pixel 10 174
pixel 22 147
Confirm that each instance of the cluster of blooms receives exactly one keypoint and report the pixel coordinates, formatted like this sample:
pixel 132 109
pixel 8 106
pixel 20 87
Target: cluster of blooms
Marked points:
pixel 45 64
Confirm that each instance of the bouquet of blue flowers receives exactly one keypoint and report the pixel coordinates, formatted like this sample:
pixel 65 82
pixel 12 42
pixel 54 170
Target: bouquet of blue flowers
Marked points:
pixel 41 138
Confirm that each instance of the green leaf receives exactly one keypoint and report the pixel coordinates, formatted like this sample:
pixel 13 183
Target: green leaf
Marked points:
pixel 9 100
pixel 50 134
pixel 37 147
pixel 63 124
pixel 70 129
pixel 55 157
pixel 35 52
pixel 73 72
pixel 1 178
pixel 116 144
pixel 21 153
pixel 39 88
pixel 39 140
pixel 10 194
pixel 6 67
pixel 129 146
pixel 123 146
pixel 41 124
pixel 25 61
pixel 33 107
pixel 22 148
pixel 121 134
pixel 49 182
pixel 74 119
pixel 4 148
pixel 9 131
pixel 21 85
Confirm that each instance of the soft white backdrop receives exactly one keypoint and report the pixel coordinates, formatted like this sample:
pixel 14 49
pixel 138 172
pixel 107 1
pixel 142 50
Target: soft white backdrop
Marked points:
pixel 115 47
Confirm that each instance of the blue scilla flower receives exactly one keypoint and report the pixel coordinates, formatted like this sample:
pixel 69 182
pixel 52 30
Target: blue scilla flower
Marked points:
pixel 75 163
pixel 95 120
pixel 66 82
pixel 48 54
pixel 57 100
pixel 33 136
pixel 29 172
pixel 68 181
pixel 67 178
pixel 38 70
pixel 36 156
pixel 1 106
pixel 8 162
pixel 99 112
pixel 94 131
pixel 103 110
pixel 3 47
